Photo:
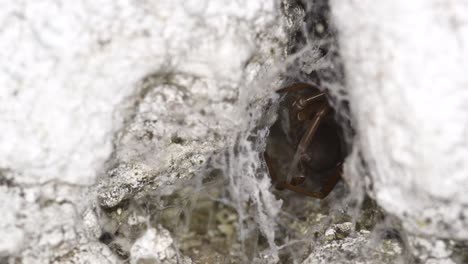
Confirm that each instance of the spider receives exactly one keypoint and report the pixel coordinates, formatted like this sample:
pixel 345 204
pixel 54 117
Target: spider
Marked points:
pixel 305 149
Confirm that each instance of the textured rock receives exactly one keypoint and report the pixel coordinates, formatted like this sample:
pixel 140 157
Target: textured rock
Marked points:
pixel 152 91
pixel 181 116
pixel 40 224
pixel 430 250
pixel 177 126
pixel 196 118
pixel 356 248
pixel 68 66
pixel 146 88
pixel 408 99
pixel 156 245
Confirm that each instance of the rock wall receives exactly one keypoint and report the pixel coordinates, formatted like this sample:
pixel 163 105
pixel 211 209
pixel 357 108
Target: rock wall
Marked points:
pixel 134 131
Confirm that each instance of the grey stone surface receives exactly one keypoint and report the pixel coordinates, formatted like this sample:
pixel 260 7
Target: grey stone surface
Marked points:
pixel 145 88
pixel 178 124
pixel 408 103
pixel 135 132
pixel 41 223
pixel 156 246
pixel 433 250
pixel 355 248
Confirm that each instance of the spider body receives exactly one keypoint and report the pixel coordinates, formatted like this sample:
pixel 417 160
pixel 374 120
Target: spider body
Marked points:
pixel 305 149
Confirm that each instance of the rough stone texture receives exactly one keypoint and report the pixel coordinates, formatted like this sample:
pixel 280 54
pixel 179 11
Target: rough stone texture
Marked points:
pixel 41 223
pixel 198 113
pixel 140 86
pixel 148 93
pixel 163 144
pixel 356 248
pixel 406 71
pixel 67 66
pixel 156 246
pixel 432 250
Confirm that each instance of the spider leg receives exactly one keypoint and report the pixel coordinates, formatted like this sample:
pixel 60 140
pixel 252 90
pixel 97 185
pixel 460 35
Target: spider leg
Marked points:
pixel 331 181
pixel 281 185
pixel 307 139
pixel 312 129
pixel 304 143
pixel 274 178
pixel 302 103
pixel 326 189
pixel 291 183
pixel 285 185
pixel 269 162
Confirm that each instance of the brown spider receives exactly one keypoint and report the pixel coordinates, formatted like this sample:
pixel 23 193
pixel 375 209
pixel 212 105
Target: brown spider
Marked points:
pixel 305 149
